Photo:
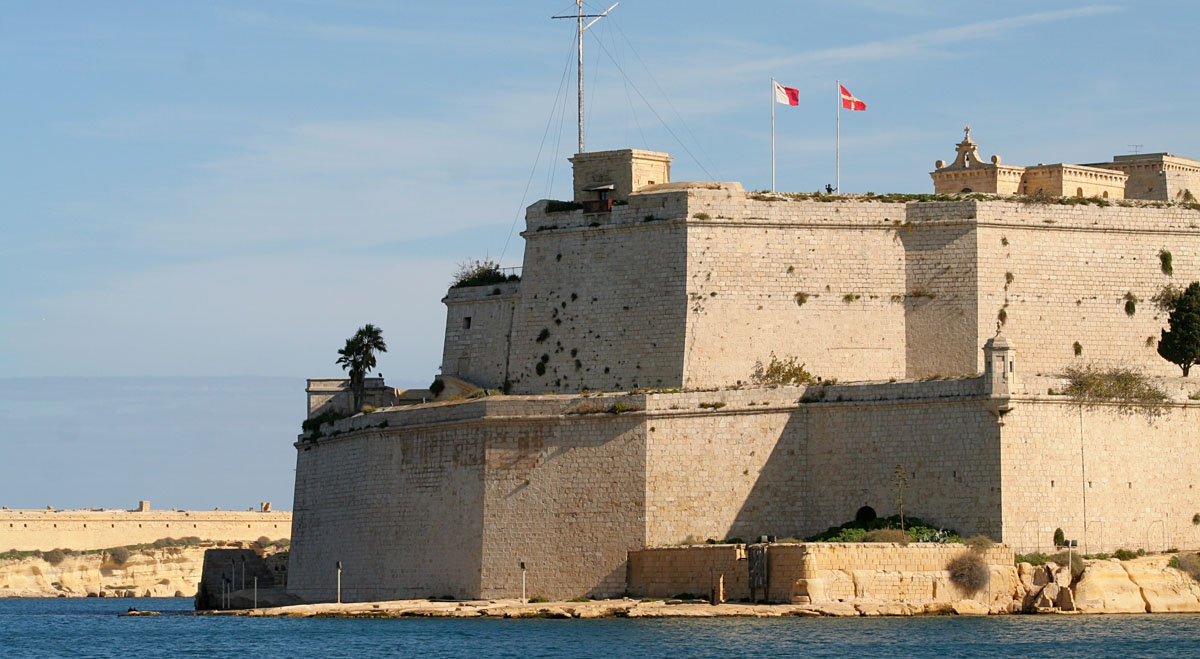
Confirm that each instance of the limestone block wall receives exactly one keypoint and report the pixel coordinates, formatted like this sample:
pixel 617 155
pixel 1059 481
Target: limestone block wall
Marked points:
pixel 627 169
pixel 940 294
pixel 1108 480
pixel 915 573
pixel 478 326
pixel 403 512
pixel 823 282
pixel 787 463
pixel 27 530
pixel 566 497
pixel 602 307
pixel 1072 269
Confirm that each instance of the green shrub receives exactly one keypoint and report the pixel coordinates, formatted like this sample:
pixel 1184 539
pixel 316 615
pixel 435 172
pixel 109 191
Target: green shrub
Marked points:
pixel 969 572
pixel 1071 558
pixel 1060 538
pixel 1189 563
pixel 479 273
pixel 886 535
pixel 781 371
pixel 917 530
pixel 1127 388
pixel 538 599
pixel 119 555
pixel 580 599
pixel 555 206
pixel 328 416
pixel 702 216
pixel 1078 348
pixel 712 406
pixel 1164 262
pixel 1124 554
pixel 54 556
pixel 619 407
pixel 979 543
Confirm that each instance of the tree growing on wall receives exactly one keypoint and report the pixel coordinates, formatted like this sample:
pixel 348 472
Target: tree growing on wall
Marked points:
pixel 1180 343
pixel 358 358
pixel 900 479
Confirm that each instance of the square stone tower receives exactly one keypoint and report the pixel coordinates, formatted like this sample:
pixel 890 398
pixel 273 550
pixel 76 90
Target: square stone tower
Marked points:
pixel 613 175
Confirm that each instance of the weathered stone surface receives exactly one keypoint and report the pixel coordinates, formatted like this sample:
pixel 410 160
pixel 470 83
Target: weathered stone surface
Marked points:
pixel 970 608
pixel 1105 587
pixel 150 573
pixel 1163 588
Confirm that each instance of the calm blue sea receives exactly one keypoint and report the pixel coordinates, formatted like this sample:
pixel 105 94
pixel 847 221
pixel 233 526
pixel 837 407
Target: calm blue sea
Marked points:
pixel 91 628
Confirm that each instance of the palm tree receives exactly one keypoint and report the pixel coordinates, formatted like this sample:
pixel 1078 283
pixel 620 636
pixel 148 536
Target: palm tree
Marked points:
pixel 358 357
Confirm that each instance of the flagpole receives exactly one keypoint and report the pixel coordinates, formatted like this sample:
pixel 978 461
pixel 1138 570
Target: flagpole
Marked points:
pixel 838 141
pixel 772 134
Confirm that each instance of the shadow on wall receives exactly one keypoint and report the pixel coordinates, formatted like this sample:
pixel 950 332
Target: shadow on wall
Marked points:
pixel 834 458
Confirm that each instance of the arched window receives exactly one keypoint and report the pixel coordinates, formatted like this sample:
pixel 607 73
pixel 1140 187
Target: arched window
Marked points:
pixel 865 514
pixel 1078 192
pixel 1105 195
pixel 966 189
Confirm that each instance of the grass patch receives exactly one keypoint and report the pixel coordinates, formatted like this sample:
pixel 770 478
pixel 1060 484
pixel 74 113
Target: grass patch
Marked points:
pixel 1125 388
pixel 917 530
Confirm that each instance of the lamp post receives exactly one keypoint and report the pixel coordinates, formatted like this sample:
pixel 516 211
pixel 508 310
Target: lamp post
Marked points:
pixel 339 582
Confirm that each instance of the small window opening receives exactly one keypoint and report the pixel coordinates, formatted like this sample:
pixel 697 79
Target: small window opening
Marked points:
pixel 966 189
pixel 466 322
pixel 1078 192
pixel 1105 195
pixel 1051 483
pixel 865 514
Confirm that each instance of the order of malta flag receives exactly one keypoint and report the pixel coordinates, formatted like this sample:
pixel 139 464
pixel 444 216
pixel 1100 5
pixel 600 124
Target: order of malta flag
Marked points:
pixel 850 101
pixel 786 95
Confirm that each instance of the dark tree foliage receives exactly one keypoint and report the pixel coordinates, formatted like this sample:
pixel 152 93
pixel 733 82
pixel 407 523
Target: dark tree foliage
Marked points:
pixel 1180 344
pixel 358 357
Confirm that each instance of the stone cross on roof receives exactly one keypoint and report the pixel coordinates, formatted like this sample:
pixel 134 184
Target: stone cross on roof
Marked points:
pixel 967 134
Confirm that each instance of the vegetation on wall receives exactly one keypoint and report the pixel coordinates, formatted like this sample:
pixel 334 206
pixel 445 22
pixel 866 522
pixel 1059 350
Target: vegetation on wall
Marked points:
pixel 1126 388
pixel 480 273
pixel 358 358
pixel 778 371
pixel 1130 304
pixel 1164 261
pixel 855 531
pixel 1180 342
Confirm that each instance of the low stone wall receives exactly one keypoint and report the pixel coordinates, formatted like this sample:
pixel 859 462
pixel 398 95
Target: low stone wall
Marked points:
pixel 27 530
pixel 821 572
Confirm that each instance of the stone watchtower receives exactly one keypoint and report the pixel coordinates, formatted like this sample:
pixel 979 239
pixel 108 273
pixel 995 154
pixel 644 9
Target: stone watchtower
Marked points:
pixel 602 177
pixel 999 373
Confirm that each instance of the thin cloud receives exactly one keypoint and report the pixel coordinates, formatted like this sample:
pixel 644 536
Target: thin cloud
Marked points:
pixel 916 44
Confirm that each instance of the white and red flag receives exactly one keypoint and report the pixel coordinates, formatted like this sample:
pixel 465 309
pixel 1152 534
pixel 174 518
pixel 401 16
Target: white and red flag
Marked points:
pixel 786 95
pixel 850 101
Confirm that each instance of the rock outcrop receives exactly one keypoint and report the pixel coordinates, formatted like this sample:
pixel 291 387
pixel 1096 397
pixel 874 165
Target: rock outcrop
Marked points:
pixel 169 572
pixel 1144 585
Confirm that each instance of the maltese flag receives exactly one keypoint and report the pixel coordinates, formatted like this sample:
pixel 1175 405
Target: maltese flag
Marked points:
pixel 850 101
pixel 786 95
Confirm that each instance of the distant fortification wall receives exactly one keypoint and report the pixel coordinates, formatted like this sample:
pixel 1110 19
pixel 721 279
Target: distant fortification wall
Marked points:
pixel 27 530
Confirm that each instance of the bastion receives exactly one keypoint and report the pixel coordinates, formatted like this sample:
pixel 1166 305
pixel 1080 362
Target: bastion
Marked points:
pixel 29 530
pixel 936 326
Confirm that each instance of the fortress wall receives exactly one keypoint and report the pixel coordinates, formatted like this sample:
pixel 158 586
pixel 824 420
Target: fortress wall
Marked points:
pixel 27 530
pixel 403 512
pixel 1136 478
pixel 476 350
pixel 1072 267
pixel 822 282
pixel 774 468
pixel 567 498
pixel 604 304
pixel 940 303
pixel 882 572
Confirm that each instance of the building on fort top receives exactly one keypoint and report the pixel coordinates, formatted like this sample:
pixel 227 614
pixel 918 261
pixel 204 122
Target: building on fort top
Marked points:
pixel 1156 176
pixel 938 329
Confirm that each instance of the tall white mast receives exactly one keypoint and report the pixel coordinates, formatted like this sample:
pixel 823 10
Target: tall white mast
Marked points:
pixel 579 16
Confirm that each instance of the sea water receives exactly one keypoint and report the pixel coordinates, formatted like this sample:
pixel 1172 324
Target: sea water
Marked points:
pixel 93 628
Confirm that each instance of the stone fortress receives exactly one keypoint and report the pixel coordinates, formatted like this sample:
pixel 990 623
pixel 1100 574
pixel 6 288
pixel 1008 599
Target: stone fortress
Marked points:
pixel 939 329
pixel 28 530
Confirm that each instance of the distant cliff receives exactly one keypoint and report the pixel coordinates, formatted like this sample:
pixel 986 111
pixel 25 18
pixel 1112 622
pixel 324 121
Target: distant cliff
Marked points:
pixel 120 572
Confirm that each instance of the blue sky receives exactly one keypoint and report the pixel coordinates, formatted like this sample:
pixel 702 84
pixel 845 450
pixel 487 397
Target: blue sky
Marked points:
pixel 228 189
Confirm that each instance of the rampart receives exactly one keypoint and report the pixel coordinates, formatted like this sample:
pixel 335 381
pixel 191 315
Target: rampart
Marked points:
pixel 813 572
pixel 27 530
pixel 451 499
pixel 705 280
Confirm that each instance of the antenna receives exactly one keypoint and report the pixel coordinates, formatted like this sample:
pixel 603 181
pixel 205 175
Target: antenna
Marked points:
pixel 1137 148
pixel 579 16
